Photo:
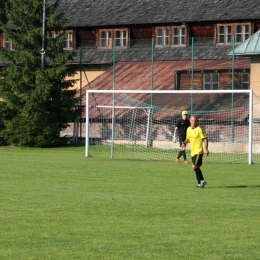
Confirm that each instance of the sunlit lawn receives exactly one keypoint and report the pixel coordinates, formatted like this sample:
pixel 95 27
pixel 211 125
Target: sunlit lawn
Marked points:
pixel 58 204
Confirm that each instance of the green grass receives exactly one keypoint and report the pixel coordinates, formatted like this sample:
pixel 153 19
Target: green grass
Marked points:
pixel 57 204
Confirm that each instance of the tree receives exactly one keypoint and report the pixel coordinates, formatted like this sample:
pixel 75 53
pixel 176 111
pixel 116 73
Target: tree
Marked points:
pixel 36 103
pixel 3 5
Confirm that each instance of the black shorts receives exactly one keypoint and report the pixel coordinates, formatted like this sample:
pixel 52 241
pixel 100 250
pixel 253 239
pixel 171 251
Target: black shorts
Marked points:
pixel 197 159
pixel 181 139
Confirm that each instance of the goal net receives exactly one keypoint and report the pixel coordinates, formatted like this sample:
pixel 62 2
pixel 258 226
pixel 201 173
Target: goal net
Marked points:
pixel 140 124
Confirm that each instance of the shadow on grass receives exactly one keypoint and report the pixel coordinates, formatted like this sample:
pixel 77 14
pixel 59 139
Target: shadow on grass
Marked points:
pixel 234 187
pixel 242 186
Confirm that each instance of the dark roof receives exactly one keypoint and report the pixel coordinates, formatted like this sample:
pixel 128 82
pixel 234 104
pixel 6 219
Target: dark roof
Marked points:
pixel 124 12
pixel 10 26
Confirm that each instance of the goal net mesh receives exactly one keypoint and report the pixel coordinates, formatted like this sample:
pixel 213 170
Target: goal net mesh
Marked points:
pixel 140 126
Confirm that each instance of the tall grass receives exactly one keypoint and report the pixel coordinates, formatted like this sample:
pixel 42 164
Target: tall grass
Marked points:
pixel 57 204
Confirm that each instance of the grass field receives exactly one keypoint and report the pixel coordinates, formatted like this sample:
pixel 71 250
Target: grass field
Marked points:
pixel 57 204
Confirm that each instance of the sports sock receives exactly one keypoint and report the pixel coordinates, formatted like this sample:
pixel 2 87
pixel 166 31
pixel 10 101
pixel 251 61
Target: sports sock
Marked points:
pixel 184 155
pixel 180 154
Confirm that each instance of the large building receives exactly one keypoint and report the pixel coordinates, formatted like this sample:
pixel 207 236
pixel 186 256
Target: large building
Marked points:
pixel 188 42
pixel 161 45
pixel 180 37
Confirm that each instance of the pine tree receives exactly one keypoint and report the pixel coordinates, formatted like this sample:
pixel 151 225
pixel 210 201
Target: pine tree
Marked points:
pixel 3 4
pixel 36 103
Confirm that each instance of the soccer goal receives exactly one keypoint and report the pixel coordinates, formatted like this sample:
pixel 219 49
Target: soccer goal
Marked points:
pixel 139 124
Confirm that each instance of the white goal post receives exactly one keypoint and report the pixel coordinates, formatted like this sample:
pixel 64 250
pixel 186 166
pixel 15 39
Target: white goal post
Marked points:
pixel 140 123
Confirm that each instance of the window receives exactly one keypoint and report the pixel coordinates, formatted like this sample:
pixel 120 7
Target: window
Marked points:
pixel 218 80
pixel 7 44
pixel 242 32
pixel 171 36
pixel 225 32
pixel 211 81
pixel 120 38
pixel 178 36
pixel 245 81
pixel 68 41
pixel 107 37
pixel 162 37
pixel 53 35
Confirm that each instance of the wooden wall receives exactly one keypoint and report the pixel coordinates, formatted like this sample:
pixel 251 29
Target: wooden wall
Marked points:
pixel 199 30
pixel 86 36
pixel 257 26
pixel 141 33
pixel 185 81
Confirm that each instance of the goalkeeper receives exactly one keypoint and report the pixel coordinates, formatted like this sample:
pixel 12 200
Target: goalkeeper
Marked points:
pixel 199 145
pixel 181 127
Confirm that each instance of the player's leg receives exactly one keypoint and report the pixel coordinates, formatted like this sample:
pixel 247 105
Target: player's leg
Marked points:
pixel 179 155
pixel 185 157
pixel 196 163
pixel 182 151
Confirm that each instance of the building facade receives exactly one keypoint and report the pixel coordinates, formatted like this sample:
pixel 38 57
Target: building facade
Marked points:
pixel 198 33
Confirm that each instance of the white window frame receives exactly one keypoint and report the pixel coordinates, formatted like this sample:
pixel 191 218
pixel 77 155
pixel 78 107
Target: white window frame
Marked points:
pixel 68 43
pixel 106 38
pixel 179 36
pixel 162 36
pixel 53 35
pixel 243 34
pixel 246 82
pixel 224 37
pixel 121 40
pixel 173 36
pixel 8 44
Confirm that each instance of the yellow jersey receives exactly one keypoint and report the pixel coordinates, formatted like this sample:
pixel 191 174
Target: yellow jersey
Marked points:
pixel 196 136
